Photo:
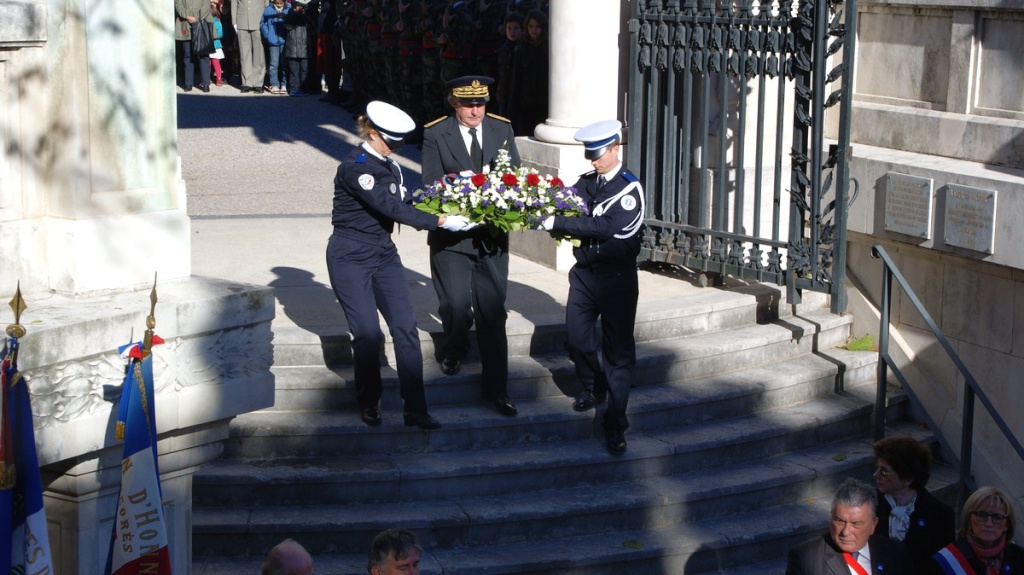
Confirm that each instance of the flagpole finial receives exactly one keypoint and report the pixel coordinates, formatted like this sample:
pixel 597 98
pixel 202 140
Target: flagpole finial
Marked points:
pixel 147 342
pixel 16 330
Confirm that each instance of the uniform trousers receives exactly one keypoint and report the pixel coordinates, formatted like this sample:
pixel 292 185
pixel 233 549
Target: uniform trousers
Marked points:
pixel 365 278
pixel 471 289
pixel 612 295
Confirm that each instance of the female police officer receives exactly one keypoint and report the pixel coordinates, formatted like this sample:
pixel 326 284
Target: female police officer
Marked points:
pixel 365 270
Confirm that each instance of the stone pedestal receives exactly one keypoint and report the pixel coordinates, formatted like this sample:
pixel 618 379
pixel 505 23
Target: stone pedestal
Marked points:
pixel 214 364
pixel 91 206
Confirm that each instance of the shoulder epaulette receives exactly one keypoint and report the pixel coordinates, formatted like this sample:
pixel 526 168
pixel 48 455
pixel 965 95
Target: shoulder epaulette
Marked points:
pixel 497 117
pixel 361 159
pixel 429 124
pixel 588 174
pixel 629 176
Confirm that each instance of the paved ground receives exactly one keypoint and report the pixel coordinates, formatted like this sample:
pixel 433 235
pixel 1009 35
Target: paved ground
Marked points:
pixel 259 173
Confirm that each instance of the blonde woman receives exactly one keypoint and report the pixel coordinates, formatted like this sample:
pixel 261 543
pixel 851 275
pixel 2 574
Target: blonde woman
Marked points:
pixel 364 267
pixel 983 545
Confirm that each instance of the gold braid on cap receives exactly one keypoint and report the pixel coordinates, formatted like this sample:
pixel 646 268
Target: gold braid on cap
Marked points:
pixel 474 90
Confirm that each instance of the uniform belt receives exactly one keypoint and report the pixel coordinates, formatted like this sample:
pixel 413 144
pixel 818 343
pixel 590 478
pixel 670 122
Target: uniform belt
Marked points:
pixel 601 267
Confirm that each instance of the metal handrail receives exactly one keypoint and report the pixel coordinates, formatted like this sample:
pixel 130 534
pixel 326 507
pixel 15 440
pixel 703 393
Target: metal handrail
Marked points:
pixel 971 387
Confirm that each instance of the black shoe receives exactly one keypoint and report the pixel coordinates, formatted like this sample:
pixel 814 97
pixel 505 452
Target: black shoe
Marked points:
pixel 423 420
pixel 584 400
pixel 451 366
pixel 204 88
pixel 616 441
pixel 246 89
pixel 503 405
pixel 188 88
pixel 371 416
pixel 256 90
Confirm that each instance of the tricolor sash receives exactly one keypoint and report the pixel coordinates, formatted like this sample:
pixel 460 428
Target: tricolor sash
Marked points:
pixel 953 561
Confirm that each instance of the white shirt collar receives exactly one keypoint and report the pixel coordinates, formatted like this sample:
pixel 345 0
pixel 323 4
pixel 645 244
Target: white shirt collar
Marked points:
pixel 612 172
pixel 369 149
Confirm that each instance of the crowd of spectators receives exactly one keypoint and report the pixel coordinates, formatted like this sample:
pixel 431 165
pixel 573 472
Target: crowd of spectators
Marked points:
pixel 399 51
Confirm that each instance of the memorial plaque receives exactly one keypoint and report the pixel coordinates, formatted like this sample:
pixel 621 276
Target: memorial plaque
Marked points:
pixel 970 218
pixel 908 205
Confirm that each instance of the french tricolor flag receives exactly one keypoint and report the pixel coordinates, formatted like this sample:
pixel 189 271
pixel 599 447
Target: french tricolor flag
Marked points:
pixel 27 549
pixel 139 543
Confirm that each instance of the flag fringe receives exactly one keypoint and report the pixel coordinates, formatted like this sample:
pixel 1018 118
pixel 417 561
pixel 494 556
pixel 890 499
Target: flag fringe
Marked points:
pixel 8 476
pixel 119 432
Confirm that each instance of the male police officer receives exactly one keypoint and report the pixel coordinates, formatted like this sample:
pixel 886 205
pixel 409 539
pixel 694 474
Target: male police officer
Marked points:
pixel 603 282
pixel 470 270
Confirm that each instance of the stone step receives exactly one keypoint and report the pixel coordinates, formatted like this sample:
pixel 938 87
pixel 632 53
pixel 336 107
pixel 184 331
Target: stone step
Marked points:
pixel 525 466
pixel 276 433
pixel 728 519
pixel 551 375
pixel 693 313
pixel 453 519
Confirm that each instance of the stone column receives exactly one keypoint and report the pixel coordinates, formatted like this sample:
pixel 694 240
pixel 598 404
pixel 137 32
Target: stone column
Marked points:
pixel 584 63
pixel 91 206
pixel 587 83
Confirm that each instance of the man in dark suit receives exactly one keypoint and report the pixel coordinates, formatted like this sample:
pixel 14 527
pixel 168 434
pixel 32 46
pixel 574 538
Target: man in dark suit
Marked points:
pixel 850 546
pixel 470 269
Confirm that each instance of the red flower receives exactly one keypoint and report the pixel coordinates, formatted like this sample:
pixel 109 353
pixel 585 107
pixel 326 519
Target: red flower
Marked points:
pixel 532 179
pixel 510 179
pixel 479 180
pixel 556 183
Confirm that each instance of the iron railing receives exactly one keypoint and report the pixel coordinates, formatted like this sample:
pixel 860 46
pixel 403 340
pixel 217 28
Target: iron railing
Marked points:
pixel 780 218
pixel 971 387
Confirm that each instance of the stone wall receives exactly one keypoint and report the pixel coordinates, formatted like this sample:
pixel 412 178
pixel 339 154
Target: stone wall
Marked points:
pixel 938 152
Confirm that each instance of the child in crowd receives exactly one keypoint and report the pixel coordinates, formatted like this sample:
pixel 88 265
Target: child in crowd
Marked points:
pixel 218 52
pixel 513 29
pixel 296 49
pixel 272 26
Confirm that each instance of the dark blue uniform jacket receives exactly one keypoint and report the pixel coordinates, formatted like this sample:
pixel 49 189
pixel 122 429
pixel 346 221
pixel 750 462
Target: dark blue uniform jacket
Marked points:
pixel 368 200
pixel 611 234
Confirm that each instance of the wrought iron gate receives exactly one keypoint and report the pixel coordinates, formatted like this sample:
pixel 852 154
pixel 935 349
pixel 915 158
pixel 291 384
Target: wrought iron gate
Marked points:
pixel 726 96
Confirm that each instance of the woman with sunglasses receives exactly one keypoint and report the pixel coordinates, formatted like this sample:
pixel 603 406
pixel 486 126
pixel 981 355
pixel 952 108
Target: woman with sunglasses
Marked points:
pixel 983 545
pixel 363 264
pixel 906 511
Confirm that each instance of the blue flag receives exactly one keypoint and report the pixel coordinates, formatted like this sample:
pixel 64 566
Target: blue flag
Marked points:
pixel 140 540
pixel 26 548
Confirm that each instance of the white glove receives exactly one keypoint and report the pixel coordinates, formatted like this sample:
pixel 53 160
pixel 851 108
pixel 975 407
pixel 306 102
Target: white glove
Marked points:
pixel 457 224
pixel 547 223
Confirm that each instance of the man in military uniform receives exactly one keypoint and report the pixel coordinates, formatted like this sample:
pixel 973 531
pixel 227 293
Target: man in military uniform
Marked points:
pixel 431 14
pixel 603 282
pixel 410 47
pixel 470 270
pixel 456 37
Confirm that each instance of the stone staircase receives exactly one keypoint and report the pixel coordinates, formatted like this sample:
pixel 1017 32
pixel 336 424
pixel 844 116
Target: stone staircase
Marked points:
pixel 745 417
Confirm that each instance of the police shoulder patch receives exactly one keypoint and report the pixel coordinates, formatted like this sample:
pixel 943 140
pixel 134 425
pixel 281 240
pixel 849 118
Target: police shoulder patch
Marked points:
pixel 431 123
pixel 366 182
pixel 361 159
pixel 497 117
pixel 628 203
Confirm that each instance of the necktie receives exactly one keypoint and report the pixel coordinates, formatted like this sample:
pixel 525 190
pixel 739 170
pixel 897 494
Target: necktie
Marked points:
pixel 476 154
pixel 601 182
